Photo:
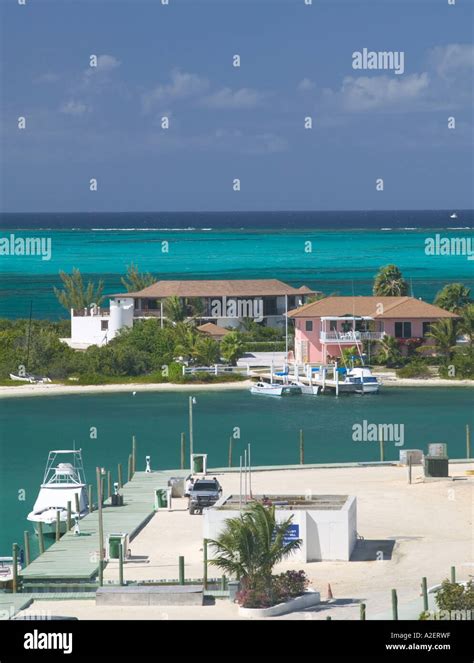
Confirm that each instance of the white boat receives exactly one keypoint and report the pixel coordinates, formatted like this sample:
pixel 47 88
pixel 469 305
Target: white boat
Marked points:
pixel 28 377
pixel 61 482
pixel 309 389
pixel 274 389
pixel 453 216
pixel 363 378
pixel 6 571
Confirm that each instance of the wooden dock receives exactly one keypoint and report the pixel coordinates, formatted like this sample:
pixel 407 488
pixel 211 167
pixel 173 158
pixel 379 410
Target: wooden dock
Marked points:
pixel 75 558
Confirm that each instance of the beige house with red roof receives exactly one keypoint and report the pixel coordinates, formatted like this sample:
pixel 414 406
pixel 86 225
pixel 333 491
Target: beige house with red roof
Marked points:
pixel 325 327
pixel 225 303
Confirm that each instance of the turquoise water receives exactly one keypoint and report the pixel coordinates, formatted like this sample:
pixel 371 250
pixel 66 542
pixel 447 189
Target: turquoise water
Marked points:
pixel 30 427
pixel 343 261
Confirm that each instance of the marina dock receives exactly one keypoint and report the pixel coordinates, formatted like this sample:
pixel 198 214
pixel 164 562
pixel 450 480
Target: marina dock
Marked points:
pixel 74 559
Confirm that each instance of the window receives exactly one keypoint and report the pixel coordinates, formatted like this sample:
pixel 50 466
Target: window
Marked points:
pixel 403 330
pixel 309 326
pixel 426 328
pixel 104 325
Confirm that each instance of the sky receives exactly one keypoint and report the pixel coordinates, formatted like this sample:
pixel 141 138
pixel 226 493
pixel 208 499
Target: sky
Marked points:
pixel 230 123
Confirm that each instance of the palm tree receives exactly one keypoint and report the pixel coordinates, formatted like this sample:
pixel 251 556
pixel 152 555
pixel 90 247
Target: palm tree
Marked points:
pixel 390 351
pixel 444 334
pixel 75 294
pixel 251 545
pixel 453 297
pixel 135 280
pixel 466 324
pixel 389 282
pixel 232 347
pixel 174 309
pixel 207 351
pixel 186 340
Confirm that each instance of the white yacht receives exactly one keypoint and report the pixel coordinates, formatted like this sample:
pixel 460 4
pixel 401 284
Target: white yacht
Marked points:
pixel 61 482
pixel 274 389
pixel 363 378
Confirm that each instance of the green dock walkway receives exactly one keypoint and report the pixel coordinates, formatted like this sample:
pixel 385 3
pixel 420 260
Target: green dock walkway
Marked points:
pixel 75 558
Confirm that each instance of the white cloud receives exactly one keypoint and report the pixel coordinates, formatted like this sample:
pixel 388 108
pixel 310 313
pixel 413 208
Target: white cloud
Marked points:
pixel 367 93
pixel 452 59
pixel 72 107
pixel 228 98
pixel 183 86
pixel 306 85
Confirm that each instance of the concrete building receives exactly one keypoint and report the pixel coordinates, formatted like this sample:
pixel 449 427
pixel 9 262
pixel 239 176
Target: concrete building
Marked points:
pixel 326 524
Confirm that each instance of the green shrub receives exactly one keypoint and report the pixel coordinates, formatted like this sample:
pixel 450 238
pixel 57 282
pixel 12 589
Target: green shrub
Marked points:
pixel 416 368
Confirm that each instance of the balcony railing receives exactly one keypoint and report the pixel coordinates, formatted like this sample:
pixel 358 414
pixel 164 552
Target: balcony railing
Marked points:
pixel 350 336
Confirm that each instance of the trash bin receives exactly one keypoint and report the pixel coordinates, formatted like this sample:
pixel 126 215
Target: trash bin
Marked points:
pixel 161 499
pixel 199 463
pixel 113 545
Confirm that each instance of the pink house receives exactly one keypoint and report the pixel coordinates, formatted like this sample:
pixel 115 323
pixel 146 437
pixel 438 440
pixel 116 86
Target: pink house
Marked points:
pixel 325 327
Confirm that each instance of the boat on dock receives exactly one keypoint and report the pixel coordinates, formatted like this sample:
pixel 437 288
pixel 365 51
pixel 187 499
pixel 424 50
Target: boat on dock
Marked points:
pixel 6 572
pixel 364 381
pixel 275 389
pixel 62 481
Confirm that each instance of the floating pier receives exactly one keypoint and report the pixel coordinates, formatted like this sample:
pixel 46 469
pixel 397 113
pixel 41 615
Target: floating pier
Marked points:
pixel 74 559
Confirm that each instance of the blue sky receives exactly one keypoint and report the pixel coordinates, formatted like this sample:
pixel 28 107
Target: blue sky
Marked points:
pixel 227 122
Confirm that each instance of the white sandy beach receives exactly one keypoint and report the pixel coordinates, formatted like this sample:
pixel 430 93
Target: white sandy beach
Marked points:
pixel 71 389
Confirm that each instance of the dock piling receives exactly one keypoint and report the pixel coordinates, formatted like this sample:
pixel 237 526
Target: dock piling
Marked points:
pixel 119 475
pixel 394 605
pixel 230 451
pixel 181 570
pixel 77 505
pixel 362 612
pixel 301 447
pixel 15 568
pixel 134 455
pixel 424 591
pixel 121 564
pixel 205 564
pixel 26 540
pixel 381 447
pixel 91 505
pixel 69 516
pixel 101 527
pixel 183 449
pixel 58 525
pixel 409 468
pixel 468 441
pixel 109 484
pixel 453 574
pixel 129 472
pixel 40 537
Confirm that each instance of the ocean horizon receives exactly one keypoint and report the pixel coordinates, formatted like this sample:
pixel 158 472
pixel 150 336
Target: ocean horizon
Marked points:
pixel 346 250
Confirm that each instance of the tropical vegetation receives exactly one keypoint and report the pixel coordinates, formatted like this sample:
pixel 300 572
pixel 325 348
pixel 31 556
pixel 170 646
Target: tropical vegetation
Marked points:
pixel 389 282
pixel 248 549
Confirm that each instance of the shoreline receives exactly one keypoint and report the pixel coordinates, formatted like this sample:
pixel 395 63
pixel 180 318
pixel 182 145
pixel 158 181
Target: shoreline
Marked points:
pixel 67 389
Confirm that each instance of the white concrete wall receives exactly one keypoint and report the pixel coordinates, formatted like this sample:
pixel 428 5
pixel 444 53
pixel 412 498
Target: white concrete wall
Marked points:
pixel 121 315
pixel 87 329
pixel 326 535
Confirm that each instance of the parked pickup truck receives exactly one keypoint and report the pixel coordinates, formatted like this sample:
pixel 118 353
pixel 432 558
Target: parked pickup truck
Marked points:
pixel 204 493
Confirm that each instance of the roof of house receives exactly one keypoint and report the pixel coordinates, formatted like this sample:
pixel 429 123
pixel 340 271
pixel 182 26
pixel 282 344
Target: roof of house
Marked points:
pixel 374 307
pixel 213 329
pixel 230 288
